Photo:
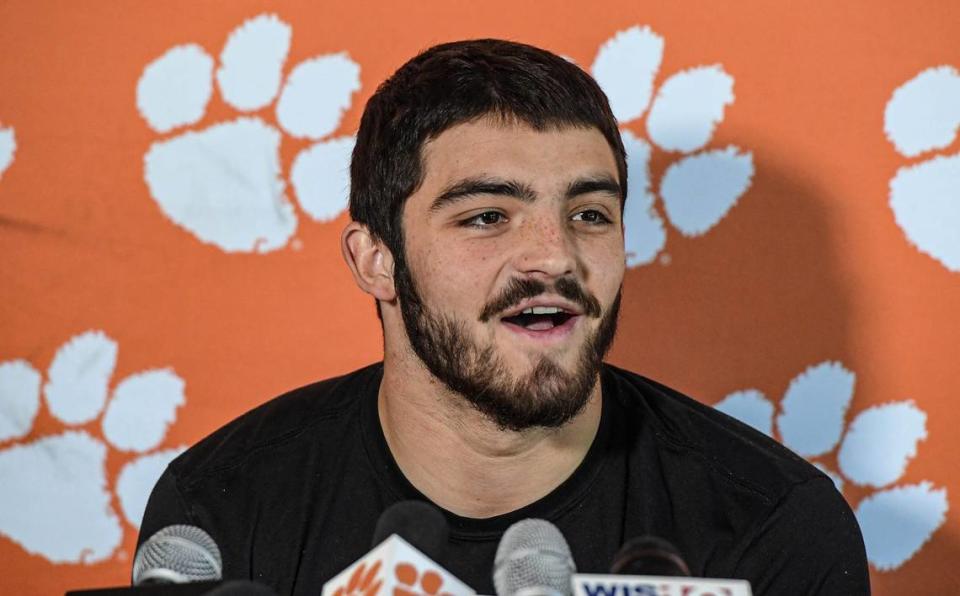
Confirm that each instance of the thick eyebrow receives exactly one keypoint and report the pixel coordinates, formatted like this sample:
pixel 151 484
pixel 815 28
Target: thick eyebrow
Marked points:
pixel 483 185
pixel 602 184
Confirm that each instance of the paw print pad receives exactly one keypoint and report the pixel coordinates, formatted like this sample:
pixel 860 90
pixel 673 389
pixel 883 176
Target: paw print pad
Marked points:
pixel 56 500
pixel 8 146
pixel 874 451
pixel 224 183
pixel 412 583
pixel 921 119
pixel 700 187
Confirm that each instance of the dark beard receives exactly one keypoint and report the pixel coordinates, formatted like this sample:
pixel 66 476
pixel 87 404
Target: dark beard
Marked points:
pixel 546 397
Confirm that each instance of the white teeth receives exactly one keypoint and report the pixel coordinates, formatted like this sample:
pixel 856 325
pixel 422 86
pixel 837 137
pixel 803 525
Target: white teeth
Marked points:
pixel 542 310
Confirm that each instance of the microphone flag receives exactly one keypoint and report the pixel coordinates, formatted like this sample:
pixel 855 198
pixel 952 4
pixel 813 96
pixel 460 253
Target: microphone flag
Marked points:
pixel 394 567
pixel 590 584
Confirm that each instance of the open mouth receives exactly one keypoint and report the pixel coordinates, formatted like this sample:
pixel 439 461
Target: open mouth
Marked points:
pixel 540 318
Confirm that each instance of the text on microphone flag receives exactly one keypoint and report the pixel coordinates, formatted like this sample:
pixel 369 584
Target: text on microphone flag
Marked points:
pixel 587 584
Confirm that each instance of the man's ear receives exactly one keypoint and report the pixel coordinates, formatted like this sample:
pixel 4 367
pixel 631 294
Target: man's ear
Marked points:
pixel 370 261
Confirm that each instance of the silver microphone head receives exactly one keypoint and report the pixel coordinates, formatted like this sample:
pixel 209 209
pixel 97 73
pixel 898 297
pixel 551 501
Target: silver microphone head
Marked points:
pixel 533 559
pixel 177 555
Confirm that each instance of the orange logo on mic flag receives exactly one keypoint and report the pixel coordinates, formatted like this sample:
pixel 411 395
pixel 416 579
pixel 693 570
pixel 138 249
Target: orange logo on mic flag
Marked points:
pixel 429 582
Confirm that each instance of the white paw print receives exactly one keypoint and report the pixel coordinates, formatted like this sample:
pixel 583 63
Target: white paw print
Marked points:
pixel 874 452
pixel 701 187
pixel 8 146
pixel 55 499
pixel 224 183
pixel 922 117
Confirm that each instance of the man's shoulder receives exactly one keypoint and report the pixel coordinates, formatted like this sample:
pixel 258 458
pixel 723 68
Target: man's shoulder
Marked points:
pixel 738 487
pixel 718 442
pixel 308 413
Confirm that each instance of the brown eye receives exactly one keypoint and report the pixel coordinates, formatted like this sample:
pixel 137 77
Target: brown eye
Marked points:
pixel 591 216
pixel 485 219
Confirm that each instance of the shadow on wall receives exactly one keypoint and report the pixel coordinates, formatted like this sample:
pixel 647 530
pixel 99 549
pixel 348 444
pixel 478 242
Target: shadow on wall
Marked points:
pixel 757 298
pixel 760 303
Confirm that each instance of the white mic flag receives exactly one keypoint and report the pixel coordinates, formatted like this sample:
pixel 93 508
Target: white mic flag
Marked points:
pixel 395 567
pixel 588 584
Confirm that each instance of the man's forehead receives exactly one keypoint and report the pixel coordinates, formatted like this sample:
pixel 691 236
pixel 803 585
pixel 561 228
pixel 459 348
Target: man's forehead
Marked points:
pixel 493 146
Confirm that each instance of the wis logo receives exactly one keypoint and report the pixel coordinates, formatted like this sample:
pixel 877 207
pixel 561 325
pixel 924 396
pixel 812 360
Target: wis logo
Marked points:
pixel 625 585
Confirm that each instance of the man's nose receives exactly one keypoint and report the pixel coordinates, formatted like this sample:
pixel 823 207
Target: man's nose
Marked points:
pixel 546 248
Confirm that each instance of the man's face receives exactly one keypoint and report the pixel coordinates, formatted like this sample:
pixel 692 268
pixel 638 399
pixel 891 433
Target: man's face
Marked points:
pixel 514 260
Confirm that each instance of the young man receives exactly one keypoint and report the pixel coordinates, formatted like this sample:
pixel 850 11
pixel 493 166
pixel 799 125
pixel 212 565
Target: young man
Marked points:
pixel 487 191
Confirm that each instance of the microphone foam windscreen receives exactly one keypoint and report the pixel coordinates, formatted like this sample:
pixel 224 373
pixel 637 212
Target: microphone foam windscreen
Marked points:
pixel 649 555
pixel 534 558
pixel 177 554
pixel 419 523
pixel 241 587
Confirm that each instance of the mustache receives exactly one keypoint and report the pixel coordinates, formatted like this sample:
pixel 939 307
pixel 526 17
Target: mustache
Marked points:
pixel 518 290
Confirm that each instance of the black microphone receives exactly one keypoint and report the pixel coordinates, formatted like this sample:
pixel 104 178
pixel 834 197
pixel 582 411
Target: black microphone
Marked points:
pixel 419 523
pixel 241 587
pixel 649 555
pixel 409 540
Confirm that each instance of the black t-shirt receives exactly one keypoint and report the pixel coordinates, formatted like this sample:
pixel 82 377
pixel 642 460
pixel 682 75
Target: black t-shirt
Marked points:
pixel 292 491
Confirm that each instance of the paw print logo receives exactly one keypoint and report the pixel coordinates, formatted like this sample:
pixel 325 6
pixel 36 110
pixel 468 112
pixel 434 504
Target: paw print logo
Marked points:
pixel 874 452
pixel 224 183
pixel 412 583
pixel 702 185
pixel 922 119
pixel 8 146
pixel 55 499
pixel 362 582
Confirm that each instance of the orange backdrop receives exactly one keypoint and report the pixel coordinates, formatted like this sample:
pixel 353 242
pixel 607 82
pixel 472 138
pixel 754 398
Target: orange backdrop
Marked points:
pixel 810 265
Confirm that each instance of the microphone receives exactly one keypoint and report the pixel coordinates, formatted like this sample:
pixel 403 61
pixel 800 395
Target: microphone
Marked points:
pixel 176 555
pixel 652 566
pixel 533 559
pixel 649 555
pixel 419 523
pixel 180 560
pixel 398 563
pixel 240 587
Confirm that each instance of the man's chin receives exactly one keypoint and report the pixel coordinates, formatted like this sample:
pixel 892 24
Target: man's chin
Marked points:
pixel 532 367
pixel 542 395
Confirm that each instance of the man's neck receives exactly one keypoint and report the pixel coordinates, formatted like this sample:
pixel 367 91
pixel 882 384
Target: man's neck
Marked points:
pixel 460 460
